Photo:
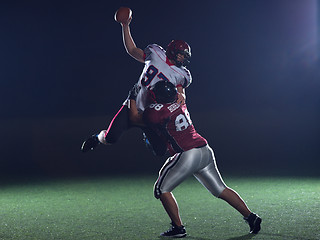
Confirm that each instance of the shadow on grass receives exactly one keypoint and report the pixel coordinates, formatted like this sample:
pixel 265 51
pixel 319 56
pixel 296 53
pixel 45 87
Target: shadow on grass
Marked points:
pixel 270 236
pixel 195 238
pixel 244 237
pixel 283 236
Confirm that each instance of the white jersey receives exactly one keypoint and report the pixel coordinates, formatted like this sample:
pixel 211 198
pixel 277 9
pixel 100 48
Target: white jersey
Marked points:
pixel 158 68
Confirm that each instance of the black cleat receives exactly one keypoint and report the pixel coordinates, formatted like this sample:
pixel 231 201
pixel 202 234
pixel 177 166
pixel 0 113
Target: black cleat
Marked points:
pixel 175 232
pixel 254 222
pixel 90 144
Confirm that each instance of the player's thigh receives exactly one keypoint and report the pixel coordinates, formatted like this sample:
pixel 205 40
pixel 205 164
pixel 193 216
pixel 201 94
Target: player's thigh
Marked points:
pixel 210 176
pixel 176 170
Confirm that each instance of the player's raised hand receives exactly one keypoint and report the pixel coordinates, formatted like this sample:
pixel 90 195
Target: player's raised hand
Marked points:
pixel 123 16
pixel 126 23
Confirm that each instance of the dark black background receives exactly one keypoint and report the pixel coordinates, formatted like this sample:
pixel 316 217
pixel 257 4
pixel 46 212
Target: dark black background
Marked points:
pixel 255 94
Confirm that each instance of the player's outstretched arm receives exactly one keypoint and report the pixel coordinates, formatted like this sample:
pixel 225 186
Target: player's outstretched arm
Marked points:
pixel 129 44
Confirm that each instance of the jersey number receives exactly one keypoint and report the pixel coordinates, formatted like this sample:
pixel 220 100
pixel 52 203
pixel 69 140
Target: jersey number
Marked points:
pixel 156 106
pixel 151 72
pixel 182 121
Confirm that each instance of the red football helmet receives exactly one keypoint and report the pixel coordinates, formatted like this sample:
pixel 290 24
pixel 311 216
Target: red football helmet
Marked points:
pixel 176 47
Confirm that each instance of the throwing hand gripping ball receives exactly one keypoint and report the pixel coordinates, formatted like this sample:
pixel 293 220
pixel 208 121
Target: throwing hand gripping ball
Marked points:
pixel 123 14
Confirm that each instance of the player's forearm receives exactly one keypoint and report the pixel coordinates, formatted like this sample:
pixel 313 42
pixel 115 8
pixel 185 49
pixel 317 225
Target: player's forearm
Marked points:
pixel 130 45
pixel 134 115
pixel 181 95
pixel 181 90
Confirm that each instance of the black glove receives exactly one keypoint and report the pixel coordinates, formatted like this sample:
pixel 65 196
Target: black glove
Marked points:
pixel 134 92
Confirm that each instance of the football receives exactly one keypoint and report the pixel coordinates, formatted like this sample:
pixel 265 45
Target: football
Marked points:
pixel 123 14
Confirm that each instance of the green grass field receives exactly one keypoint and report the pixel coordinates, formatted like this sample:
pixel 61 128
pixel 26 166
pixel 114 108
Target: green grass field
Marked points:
pixel 124 208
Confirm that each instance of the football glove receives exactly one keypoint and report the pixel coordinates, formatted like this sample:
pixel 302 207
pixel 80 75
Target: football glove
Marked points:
pixel 134 92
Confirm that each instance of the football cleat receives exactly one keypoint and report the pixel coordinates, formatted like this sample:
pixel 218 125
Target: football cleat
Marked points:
pixel 254 222
pixel 90 143
pixel 175 232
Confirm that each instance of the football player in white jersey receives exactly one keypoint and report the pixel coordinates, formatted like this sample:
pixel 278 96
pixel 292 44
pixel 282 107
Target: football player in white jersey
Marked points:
pixel 160 65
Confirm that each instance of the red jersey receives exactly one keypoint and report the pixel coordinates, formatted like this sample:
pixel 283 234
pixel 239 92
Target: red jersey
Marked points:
pixel 172 122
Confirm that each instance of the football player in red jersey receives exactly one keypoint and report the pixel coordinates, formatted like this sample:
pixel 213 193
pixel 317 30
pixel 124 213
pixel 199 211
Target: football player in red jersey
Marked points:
pixel 190 155
pixel 169 65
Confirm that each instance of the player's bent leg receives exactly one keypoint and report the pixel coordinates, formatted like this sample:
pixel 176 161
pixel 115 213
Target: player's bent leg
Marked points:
pixel 169 203
pixel 175 170
pixel 121 121
pixel 118 125
pixel 171 206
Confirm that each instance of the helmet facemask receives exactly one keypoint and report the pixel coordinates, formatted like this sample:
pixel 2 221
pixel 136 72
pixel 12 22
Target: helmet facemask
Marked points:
pixel 176 47
pixel 186 59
